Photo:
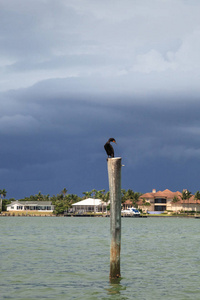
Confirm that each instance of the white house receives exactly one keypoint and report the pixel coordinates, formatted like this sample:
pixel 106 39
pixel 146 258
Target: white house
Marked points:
pixel 90 205
pixel 30 205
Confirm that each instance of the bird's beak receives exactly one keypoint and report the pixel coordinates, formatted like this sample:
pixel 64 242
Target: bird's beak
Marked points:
pixel 115 142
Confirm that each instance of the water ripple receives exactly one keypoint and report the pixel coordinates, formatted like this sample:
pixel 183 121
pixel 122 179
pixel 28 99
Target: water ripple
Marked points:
pixel 68 258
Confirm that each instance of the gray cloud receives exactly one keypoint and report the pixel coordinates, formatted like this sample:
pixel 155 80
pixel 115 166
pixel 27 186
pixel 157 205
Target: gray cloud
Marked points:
pixel 43 40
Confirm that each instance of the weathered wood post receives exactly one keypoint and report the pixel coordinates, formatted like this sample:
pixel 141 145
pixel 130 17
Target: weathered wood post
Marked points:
pixel 114 177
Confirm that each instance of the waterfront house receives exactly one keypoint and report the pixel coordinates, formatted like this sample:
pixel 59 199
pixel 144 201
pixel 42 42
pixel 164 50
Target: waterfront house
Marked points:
pixel 89 205
pixel 164 201
pixel 30 205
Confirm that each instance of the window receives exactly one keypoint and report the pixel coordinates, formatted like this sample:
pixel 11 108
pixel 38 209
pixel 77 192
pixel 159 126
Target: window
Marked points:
pixel 160 200
pixel 19 207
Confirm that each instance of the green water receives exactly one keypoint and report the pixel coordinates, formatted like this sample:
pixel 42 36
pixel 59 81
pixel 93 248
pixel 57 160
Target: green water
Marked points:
pixel 68 258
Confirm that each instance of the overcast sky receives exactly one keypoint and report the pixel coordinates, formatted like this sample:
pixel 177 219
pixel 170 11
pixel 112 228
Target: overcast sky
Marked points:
pixel 76 72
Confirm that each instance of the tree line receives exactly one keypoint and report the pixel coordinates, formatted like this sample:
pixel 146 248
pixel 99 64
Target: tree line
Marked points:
pixel 63 201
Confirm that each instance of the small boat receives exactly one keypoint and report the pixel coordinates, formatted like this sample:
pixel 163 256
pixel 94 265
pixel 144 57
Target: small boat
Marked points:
pixel 130 212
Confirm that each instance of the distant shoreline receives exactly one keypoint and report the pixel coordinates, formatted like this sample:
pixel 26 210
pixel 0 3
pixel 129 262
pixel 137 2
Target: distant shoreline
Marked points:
pixel 16 214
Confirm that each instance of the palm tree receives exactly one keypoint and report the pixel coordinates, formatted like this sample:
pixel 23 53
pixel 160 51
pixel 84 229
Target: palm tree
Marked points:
pixel 145 203
pixel 189 195
pixel 123 195
pixel 64 192
pixel 94 192
pixel 100 194
pixel 87 195
pixel 130 195
pixel 136 198
pixel 175 200
pixel 39 196
pixel 3 195
pixel 72 198
pixel 107 196
pixel 186 195
pixel 46 197
pixel 197 196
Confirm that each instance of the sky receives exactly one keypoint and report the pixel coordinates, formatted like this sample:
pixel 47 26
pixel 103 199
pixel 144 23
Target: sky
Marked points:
pixel 75 73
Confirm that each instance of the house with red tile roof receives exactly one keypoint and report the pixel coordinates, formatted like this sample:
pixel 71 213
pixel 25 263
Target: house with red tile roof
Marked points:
pixel 167 201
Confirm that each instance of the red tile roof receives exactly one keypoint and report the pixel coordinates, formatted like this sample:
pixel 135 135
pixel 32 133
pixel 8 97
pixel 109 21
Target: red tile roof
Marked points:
pixel 128 202
pixel 147 195
pixel 160 194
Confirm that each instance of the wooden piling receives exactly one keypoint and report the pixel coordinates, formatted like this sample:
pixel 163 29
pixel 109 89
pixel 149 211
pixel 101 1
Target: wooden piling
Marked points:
pixel 114 177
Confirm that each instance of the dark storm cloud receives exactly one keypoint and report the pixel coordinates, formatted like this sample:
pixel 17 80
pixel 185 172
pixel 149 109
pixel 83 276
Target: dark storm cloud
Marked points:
pixel 54 141
pixel 75 73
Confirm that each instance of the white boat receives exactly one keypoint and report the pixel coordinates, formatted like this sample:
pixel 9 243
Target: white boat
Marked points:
pixel 130 212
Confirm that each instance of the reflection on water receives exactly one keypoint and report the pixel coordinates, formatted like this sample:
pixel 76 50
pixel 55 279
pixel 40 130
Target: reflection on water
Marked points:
pixel 115 287
pixel 68 258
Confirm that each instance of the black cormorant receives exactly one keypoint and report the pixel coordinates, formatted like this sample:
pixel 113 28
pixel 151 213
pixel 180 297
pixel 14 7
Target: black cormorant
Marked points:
pixel 108 147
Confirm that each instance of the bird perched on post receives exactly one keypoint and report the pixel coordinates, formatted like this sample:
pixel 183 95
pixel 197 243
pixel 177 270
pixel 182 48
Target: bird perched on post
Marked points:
pixel 108 147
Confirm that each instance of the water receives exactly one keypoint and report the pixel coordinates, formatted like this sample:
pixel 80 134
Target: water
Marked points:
pixel 68 258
